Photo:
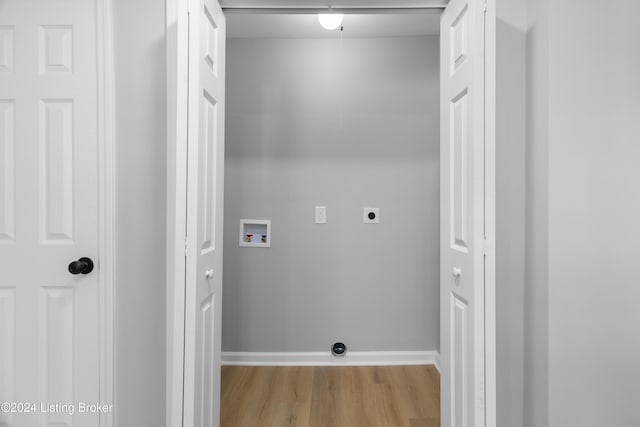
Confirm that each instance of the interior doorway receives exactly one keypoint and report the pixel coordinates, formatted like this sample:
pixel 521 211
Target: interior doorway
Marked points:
pixel 466 248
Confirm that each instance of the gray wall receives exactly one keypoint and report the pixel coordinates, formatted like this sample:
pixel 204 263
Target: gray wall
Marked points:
pixel 594 213
pixel 510 208
pixel 536 279
pixel 536 288
pixel 310 123
pixel 583 209
pixel 139 28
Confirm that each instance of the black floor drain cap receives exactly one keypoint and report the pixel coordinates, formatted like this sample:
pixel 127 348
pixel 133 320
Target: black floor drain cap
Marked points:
pixel 339 349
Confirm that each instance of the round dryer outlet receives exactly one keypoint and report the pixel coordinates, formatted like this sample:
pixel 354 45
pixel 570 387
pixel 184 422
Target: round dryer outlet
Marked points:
pixel 371 215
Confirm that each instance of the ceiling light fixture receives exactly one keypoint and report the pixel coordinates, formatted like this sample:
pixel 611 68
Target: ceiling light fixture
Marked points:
pixel 330 21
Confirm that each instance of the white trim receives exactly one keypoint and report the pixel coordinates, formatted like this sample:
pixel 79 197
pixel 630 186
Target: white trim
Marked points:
pixel 478 413
pixel 429 9
pixel 177 85
pixel 335 4
pixel 490 306
pixel 324 358
pixel 106 203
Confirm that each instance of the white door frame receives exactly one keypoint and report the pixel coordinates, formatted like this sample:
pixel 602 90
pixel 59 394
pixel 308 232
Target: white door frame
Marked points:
pixel 490 356
pixel 177 89
pixel 177 39
pixel 106 204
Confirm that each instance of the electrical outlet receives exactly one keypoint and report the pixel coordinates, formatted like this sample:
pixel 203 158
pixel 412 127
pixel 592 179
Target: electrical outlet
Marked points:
pixel 321 214
pixel 371 216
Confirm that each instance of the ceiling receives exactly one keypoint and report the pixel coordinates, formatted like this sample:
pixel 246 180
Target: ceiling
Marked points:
pixel 243 25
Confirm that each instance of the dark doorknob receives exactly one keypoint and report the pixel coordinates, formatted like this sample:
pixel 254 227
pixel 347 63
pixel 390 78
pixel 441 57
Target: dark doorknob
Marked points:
pixel 81 266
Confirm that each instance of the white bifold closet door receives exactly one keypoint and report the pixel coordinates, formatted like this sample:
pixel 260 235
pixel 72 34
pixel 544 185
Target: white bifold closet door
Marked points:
pixel 205 195
pixel 462 214
pixel 49 318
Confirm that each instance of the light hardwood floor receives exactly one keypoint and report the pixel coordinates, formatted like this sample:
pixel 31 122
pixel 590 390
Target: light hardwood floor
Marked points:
pixel 330 396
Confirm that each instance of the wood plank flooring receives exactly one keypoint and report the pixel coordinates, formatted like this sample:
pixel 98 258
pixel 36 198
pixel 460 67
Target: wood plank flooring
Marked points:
pixel 330 396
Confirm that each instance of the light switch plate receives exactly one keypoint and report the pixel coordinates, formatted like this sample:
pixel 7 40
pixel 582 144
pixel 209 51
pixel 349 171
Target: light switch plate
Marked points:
pixel 371 215
pixel 321 214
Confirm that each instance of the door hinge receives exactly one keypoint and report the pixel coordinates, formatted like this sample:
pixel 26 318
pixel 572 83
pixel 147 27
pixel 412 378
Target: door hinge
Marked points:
pixel 185 247
pixel 484 6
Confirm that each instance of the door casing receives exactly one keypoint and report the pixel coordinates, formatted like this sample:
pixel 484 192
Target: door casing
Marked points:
pixel 177 89
pixel 177 39
pixel 106 204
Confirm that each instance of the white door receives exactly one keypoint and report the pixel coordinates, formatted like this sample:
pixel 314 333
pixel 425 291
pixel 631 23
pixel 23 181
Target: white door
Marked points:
pixel 205 194
pixel 49 318
pixel 462 214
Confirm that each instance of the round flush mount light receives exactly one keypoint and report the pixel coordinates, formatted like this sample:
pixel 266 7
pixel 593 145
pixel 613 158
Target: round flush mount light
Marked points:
pixel 330 21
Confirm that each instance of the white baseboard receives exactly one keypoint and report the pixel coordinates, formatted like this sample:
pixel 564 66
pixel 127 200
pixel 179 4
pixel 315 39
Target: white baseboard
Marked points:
pixel 322 358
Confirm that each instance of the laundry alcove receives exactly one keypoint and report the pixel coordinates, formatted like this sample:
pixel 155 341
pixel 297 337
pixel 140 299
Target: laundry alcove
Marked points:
pixel 345 120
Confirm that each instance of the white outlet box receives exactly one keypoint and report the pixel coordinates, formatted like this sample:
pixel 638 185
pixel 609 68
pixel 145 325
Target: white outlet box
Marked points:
pixel 255 233
pixel 321 214
pixel 371 216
